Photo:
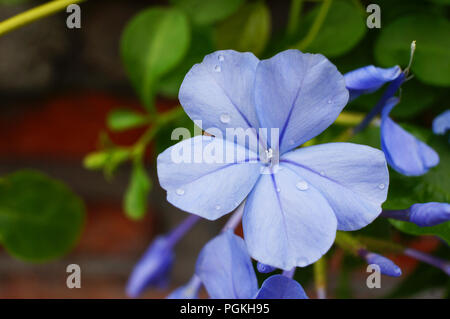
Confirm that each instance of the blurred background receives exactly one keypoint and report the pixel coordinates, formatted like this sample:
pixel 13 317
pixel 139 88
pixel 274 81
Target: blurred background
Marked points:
pixel 58 85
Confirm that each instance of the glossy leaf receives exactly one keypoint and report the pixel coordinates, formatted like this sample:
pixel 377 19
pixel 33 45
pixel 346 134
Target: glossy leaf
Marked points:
pixel 344 26
pixel 432 35
pixel 152 44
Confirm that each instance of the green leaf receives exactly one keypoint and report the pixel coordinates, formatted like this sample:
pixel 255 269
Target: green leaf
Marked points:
pixel 124 119
pixel 432 35
pixel 95 160
pixel 441 230
pixel 204 12
pixel 246 30
pixel 344 26
pixel 201 45
pixel 135 201
pixel 152 44
pixel 40 218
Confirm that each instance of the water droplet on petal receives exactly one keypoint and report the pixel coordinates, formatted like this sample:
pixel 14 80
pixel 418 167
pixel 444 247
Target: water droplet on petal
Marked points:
pixel 329 101
pixel 322 173
pixel 217 207
pixel 381 186
pixel 278 190
pixel 180 191
pixel 221 58
pixel 217 68
pixel 303 186
pixel 225 118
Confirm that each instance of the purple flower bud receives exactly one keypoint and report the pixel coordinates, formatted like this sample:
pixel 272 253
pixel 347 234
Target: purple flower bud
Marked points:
pixel 429 214
pixel 265 269
pixel 441 124
pixel 387 267
pixel 153 268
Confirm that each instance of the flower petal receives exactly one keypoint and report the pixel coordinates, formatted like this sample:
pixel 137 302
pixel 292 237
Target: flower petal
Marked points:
pixel 205 184
pixel 404 152
pixel 188 291
pixel 353 178
pixel 441 124
pixel 301 94
pixel 281 287
pixel 369 79
pixel 286 222
pixel 219 91
pixel 225 268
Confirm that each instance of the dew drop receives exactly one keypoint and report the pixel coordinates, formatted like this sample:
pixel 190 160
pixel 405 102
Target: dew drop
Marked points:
pixel 225 118
pixel 221 58
pixel 381 186
pixel 322 173
pixel 278 190
pixel 329 101
pixel 217 68
pixel 218 207
pixel 180 191
pixel 303 186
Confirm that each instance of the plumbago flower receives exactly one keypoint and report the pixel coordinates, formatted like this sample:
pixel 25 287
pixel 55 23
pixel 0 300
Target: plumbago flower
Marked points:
pixel 296 199
pixel 226 271
pixel 441 124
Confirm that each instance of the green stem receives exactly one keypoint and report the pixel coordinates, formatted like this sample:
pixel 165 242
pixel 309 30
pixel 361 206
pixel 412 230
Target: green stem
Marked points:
pixel 294 17
pixel 348 242
pixel 379 245
pixel 34 14
pixel 317 24
pixel 320 277
pixel 161 119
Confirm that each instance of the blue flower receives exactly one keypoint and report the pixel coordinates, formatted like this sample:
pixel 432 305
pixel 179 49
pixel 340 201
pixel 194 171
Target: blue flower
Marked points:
pixel 429 214
pixel 226 271
pixel 188 291
pixel 387 267
pixel 294 207
pixel 153 269
pixel 368 79
pixel 441 124
pixel 404 152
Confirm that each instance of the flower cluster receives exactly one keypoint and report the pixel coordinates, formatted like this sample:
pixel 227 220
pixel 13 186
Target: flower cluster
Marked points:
pixel 291 200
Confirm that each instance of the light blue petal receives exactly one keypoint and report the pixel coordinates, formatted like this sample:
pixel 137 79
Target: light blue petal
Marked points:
pixel 369 79
pixel 201 186
pixel 219 91
pixel 152 269
pixel 281 287
pixel 429 214
pixel 188 291
pixel 387 266
pixel 404 152
pixel 225 268
pixel 353 178
pixel 441 124
pixel 286 222
pixel 301 94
